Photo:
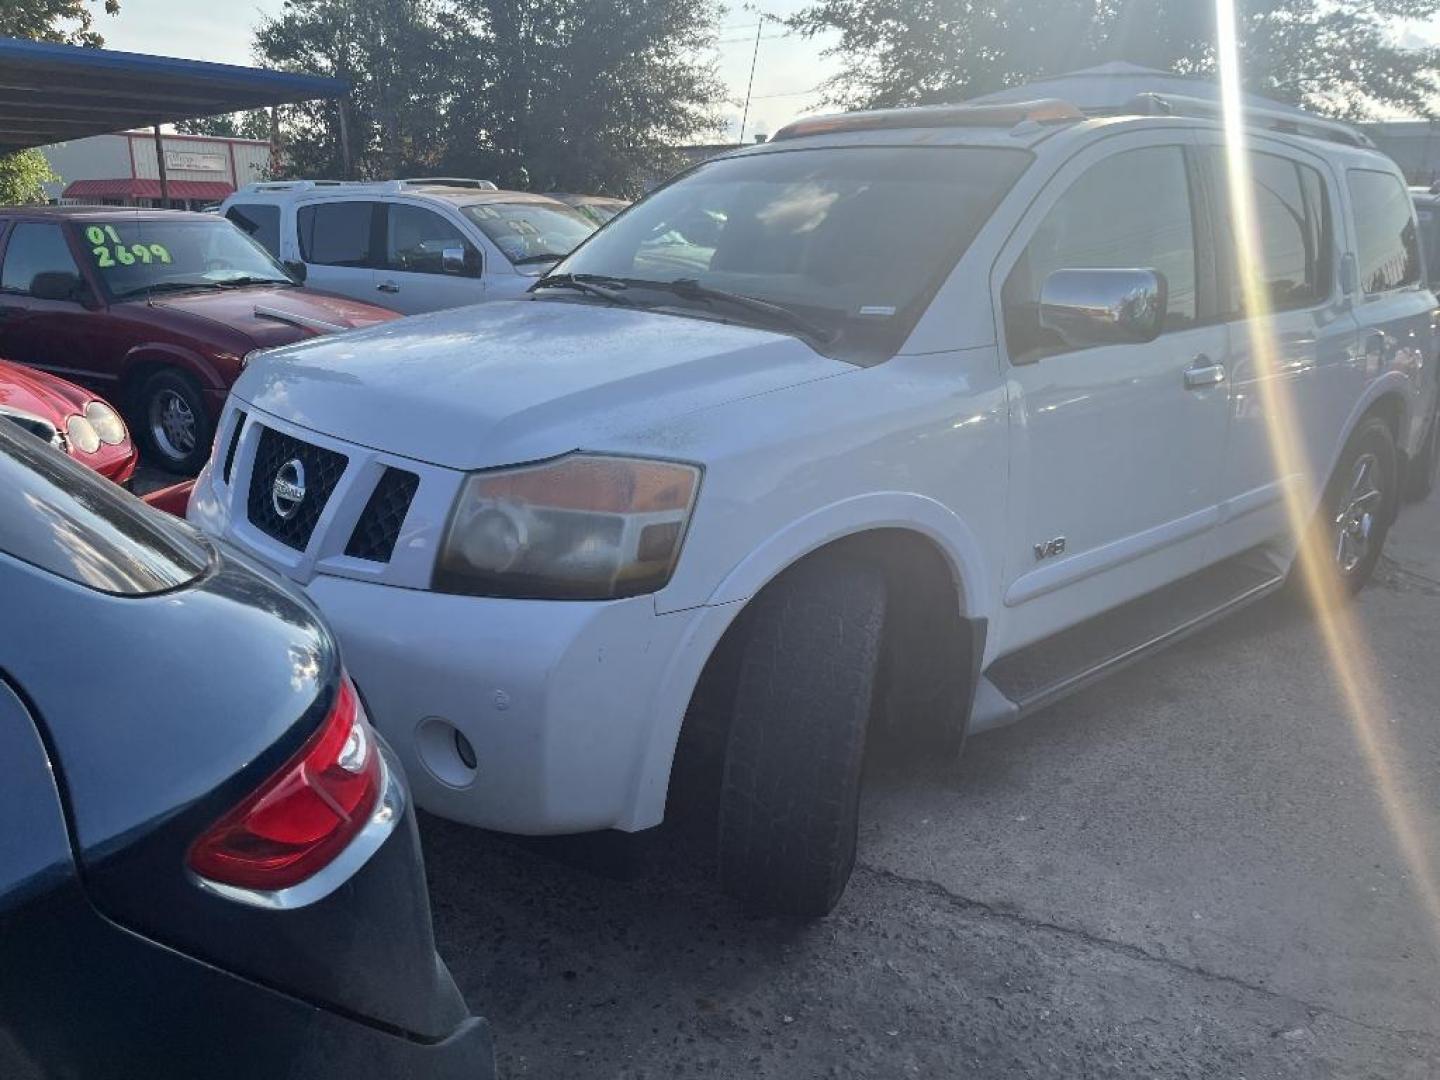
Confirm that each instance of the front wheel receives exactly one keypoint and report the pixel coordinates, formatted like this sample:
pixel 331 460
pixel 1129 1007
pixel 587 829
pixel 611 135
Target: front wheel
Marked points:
pixel 173 421
pixel 790 793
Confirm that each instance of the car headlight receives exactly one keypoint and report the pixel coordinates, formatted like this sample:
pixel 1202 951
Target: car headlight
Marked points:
pixel 583 527
pixel 82 434
pixel 107 423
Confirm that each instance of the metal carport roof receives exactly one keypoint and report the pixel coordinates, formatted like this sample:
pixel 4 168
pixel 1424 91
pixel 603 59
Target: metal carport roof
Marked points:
pixel 52 93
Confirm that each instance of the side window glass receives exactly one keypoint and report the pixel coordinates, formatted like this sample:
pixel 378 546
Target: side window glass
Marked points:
pixel 416 240
pixel 1389 249
pixel 260 223
pixel 37 252
pixel 1296 260
pixel 1131 211
pixel 336 233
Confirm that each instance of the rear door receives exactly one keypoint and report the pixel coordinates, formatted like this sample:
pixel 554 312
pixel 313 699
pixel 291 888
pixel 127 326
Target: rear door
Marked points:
pixel 260 222
pixel 1294 374
pixel 418 270
pixel 1395 306
pixel 1116 448
pixel 341 243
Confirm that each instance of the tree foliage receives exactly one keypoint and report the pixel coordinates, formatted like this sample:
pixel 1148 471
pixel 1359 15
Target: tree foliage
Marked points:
pixel 1333 56
pixel 21 177
pixel 67 22
pixel 574 94
pixel 254 124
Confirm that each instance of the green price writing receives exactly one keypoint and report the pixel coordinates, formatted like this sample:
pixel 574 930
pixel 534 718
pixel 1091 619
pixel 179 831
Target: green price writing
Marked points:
pixel 109 250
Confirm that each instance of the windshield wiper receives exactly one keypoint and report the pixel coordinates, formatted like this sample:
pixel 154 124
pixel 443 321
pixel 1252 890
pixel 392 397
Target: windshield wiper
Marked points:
pixel 588 284
pixel 164 286
pixel 250 279
pixel 691 289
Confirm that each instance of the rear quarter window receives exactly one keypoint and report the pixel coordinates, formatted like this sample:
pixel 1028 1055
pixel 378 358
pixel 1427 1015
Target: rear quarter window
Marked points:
pixel 59 516
pixel 1388 242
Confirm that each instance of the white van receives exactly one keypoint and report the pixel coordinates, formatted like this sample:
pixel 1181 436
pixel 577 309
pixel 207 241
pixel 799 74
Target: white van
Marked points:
pixel 905 423
pixel 409 245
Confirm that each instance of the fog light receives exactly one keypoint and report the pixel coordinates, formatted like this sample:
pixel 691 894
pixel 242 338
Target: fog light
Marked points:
pixel 464 749
pixel 446 752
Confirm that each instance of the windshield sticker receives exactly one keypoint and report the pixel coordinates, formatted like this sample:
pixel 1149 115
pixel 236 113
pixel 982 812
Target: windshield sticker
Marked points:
pixel 108 249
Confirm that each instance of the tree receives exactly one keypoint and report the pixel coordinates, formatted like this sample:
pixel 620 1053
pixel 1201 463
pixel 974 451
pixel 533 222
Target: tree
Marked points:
pixel 21 177
pixel 68 22
pixel 585 94
pixel 254 124
pixel 1332 56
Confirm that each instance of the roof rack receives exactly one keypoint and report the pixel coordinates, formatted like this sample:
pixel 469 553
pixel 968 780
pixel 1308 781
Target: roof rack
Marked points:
pixel 450 181
pixel 375 186
pixel 1043 111
pixel 1255 116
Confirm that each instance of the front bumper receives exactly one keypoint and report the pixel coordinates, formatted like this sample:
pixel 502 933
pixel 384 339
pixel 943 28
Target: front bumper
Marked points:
pixel 571 709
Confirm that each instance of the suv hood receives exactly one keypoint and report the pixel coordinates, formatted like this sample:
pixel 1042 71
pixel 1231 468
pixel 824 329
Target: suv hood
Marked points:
pixel 278 316
pixel 508 382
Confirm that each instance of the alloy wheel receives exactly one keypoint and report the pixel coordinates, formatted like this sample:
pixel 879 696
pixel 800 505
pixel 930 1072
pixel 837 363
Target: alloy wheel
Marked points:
pixel 172 424
pixel 1355 521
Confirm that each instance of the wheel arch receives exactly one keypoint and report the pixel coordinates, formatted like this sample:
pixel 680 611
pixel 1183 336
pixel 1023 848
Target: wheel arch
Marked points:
pixel 142 361
pixel 925 552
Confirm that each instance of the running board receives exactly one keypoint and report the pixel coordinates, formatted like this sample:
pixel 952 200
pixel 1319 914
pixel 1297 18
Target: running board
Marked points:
pixel 1041 674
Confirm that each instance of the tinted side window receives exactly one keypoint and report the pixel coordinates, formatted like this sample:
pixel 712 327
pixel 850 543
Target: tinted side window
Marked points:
pixel 416 240
pixel 260 223
pixel 337 233
pixel 58 515
pixel 1296 261
pixel 35 249
pixel 1389 249
pixel 1131 211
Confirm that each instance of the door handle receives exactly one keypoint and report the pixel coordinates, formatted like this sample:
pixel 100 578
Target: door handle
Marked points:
pixel 387 287
pixel 1203 374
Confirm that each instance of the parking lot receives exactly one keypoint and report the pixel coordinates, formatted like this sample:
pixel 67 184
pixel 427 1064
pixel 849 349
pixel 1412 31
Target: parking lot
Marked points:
pixel 1184 871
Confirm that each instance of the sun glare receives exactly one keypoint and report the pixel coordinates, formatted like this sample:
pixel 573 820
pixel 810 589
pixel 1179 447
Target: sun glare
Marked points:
pixel 1352 664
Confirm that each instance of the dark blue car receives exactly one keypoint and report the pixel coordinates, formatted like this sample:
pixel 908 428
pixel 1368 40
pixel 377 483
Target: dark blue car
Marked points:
pixel 207 863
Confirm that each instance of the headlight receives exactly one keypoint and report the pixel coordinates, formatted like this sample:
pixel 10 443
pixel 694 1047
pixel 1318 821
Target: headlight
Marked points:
pixel 580 528
pixel 107 423
pixel 82 434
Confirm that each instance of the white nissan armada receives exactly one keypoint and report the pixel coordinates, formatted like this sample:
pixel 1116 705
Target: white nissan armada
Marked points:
pixel 906 422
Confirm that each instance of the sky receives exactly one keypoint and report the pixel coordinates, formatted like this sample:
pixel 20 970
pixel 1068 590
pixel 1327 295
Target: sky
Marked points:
pixel 788 72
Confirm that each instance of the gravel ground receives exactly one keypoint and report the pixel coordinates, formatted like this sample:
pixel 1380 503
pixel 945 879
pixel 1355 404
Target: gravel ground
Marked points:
pixel 1183 872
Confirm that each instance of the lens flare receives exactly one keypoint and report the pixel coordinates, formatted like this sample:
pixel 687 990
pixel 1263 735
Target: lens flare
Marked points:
pixel 1351 663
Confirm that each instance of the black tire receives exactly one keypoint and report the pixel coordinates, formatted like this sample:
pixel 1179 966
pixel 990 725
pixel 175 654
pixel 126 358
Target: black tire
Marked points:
pixel 1423 471
pixel 1350 564
pixel 790 791
pixel 167 447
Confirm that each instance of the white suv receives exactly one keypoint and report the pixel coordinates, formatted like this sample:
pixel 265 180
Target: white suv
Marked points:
pixel 410 245
pixel 904 423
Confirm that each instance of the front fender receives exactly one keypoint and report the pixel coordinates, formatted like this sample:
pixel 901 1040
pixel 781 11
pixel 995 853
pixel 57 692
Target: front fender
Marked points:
pixel 859 514
pixel 201 367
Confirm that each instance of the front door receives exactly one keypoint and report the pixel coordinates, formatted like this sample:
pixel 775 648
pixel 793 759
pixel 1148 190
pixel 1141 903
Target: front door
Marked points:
pixel 42 321
pixel 415 275
pixel 1116 449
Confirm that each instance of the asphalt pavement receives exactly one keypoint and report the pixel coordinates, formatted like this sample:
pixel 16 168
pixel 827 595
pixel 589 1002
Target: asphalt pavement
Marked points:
pixel 1185 871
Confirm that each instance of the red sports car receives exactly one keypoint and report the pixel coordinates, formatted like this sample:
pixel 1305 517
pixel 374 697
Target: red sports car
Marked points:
pixel 68 417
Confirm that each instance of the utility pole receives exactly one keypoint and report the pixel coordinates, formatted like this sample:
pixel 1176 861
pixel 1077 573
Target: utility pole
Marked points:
pixel 160 161
pixel 759 27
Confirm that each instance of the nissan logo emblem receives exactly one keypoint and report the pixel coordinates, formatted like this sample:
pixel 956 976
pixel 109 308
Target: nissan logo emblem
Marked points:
pixel 288 491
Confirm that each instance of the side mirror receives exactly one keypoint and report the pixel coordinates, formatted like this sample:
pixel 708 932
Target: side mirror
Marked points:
pixel 297 270
pixel 1104 307
pixel 452 260
pixel 59 285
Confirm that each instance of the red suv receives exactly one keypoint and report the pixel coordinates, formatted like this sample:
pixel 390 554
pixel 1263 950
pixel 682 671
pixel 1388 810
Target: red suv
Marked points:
pixel 156 309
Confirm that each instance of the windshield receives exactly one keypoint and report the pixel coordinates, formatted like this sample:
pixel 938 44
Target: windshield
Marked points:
pixel 530 232
pixel 854 239
pixel 140 255
pixel 61 517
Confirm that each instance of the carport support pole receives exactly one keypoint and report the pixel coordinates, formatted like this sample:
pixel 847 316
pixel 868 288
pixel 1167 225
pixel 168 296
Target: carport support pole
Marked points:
pixel 160 161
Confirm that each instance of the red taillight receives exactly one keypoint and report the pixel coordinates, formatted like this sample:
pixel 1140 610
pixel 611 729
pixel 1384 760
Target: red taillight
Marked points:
pixel 304 815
